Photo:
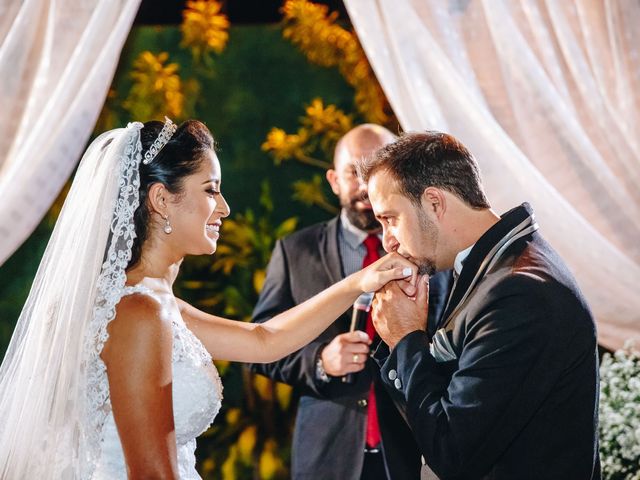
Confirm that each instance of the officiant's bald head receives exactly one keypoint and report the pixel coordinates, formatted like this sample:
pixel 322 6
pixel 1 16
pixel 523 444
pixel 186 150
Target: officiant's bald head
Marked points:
pixel 357 144
pixel 361 141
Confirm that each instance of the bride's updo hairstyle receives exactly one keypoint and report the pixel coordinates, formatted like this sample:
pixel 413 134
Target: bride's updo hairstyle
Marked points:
pixel 179 158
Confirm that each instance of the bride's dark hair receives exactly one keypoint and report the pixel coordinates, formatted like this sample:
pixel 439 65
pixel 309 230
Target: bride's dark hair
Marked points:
pixel 179 158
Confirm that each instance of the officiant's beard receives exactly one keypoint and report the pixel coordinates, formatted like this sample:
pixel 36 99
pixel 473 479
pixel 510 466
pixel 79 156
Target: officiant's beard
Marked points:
pixel 360 217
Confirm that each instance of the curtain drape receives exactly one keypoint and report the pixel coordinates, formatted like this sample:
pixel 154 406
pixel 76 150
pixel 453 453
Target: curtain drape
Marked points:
pixel 546 95
pixel 57 60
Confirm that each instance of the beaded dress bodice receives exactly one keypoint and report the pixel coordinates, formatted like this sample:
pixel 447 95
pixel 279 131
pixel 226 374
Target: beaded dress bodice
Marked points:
pixel 197 395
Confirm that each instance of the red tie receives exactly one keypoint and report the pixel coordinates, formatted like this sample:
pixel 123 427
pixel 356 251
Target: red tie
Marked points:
pixel 373 244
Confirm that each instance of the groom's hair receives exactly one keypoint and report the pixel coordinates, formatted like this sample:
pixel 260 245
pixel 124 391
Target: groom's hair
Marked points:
pixel 428 159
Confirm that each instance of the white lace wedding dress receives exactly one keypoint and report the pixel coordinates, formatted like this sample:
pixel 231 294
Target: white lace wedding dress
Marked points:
pixel 197 394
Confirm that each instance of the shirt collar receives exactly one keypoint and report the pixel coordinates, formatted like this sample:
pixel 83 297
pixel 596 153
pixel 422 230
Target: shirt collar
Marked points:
pixel 460 258
pixel 352 234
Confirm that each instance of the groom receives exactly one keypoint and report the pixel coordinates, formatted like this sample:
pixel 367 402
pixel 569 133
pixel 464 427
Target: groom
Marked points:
pixel 507 387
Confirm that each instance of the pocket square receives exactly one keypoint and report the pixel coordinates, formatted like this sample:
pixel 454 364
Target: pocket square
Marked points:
pixel 440 347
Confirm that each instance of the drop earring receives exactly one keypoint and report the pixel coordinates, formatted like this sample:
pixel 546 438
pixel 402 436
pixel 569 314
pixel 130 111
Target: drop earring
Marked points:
pixel 167 226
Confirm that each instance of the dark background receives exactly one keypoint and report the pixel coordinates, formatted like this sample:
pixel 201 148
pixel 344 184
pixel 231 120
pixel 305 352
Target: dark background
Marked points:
pixel 169 12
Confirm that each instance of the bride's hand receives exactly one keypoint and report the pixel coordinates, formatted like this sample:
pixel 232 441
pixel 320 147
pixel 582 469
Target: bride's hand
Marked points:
pixel 388 268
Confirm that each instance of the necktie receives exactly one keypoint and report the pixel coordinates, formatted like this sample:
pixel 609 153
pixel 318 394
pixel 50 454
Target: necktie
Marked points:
pixel 373 244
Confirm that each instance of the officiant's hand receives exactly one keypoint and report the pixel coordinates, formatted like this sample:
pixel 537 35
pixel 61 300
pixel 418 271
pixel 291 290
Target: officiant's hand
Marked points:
pixel 346 353
pixel 395 314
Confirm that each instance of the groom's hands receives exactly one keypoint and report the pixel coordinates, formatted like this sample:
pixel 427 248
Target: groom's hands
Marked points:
pixel 395 315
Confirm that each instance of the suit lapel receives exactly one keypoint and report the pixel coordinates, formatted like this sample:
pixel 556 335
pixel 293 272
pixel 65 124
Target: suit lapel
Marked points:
pixel 481 249
pixel 330 252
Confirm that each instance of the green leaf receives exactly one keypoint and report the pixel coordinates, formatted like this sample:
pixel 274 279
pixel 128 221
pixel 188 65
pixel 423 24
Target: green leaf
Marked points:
pixel 265 196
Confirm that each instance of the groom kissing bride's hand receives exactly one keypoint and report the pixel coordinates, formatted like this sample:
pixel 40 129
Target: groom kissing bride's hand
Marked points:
pixel 400 308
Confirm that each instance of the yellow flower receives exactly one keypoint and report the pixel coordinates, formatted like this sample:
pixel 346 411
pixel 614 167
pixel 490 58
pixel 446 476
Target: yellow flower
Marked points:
pixel 233 416
pixel 204 28
pixel 222 366
pixel 246 443
pixel 263 386
pixel 321 126
pixel 208 466
pixel 370 98
pixel 236 249
pixel 286 227
pixel 330 122
pixel 229 465
pixel 269 463
pixel 311 28
pixel 258 279
pixel 284 146
pixel 283 395
pixel 314 31
pixel 311 193
pixel 157 88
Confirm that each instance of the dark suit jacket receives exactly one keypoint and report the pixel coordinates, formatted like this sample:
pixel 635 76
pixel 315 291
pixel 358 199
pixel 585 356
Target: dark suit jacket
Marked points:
pixel 521 400
pixel 329 435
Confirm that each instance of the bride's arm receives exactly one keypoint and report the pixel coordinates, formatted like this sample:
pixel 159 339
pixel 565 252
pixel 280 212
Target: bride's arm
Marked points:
pixel 294 328
pixel 138 359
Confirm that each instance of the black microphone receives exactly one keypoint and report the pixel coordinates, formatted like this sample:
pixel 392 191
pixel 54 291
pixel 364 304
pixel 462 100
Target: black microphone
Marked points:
pixel 361 308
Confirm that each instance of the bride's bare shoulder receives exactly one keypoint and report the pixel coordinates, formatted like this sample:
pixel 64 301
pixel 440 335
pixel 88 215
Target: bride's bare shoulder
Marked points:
pixel 141 324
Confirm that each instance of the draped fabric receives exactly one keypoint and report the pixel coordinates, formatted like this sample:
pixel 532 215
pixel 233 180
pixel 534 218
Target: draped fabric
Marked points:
pixel 546 95
pixel 57 60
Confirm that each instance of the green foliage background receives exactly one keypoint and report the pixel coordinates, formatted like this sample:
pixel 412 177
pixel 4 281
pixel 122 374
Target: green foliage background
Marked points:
pixel 259 81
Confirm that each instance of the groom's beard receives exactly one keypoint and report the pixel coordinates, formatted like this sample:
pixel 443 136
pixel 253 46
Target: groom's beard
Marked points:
pixel 427 265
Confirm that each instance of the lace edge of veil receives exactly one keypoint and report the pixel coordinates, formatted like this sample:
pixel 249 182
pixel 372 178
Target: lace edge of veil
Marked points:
pixel 110 284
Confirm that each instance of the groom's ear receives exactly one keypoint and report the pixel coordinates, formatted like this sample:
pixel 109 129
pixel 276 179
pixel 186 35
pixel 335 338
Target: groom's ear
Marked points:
pixel 158 198
pixel 434 202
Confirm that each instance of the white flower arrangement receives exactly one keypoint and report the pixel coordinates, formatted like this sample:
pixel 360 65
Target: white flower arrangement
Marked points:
pixel 620 415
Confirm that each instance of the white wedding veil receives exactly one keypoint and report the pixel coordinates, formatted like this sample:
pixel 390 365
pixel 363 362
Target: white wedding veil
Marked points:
pixel 53 390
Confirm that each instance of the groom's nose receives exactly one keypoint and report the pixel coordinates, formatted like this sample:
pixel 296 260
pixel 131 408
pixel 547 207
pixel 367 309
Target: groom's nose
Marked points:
pixel 389 242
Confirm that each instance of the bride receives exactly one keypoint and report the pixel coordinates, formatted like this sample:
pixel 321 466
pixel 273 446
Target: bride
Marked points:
pixel 109 375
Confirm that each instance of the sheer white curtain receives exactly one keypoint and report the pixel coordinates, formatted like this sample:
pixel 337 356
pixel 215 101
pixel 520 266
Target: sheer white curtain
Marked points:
pixel 546 94
pixel 57 60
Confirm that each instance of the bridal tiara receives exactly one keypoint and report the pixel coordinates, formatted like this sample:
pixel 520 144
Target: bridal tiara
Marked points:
pixel 165 135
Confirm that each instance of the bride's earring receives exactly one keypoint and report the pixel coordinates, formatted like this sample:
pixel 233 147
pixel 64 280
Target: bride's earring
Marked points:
pixel 167 226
